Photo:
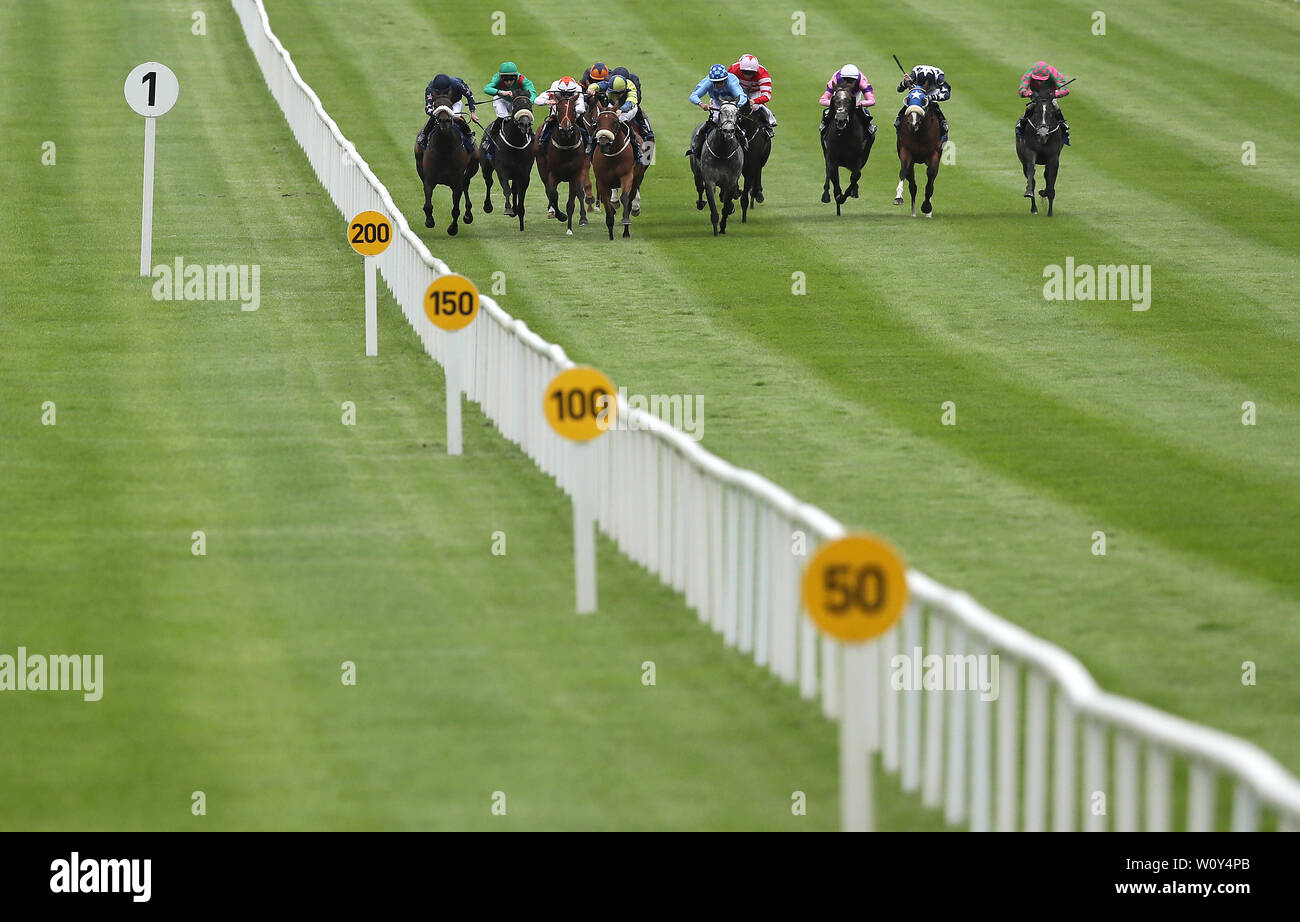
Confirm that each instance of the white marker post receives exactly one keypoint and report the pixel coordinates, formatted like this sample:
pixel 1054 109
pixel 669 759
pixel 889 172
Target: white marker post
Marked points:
pixel 151 90
pixel 854 590
pixel 370 233
pixel 451 304
pixel 581 405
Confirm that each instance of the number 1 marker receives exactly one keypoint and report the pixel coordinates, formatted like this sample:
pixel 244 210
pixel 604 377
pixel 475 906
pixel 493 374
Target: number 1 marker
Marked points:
pixel 151 90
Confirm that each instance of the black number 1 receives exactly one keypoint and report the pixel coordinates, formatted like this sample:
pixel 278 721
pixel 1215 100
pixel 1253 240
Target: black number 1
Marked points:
pixel 151 78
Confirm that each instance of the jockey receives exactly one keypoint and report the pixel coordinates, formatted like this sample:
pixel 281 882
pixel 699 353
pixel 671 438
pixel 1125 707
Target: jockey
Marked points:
pixel 935 84
pixel 852 79
pixel 459 92
pixel 1044 76
pixel 503 85
pixel 623 89
pixel 720 86
pixel 564 88
pixel 593 74
pixel 757 84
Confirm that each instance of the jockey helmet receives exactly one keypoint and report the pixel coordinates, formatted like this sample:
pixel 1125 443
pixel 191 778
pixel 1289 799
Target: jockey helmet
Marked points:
pixel 717 73
pixel 599 71
pixel 1042 71
pixel 748 63
pixel 619 84
pixel 568 86
pixel 849 72
pixel 441 83
pixel 509 69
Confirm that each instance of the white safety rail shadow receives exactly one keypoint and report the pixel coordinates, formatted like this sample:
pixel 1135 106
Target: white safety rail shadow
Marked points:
pixel 1035 758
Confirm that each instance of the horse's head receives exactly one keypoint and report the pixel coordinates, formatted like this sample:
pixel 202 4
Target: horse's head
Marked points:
pixel 728 114
pixel 566 113
pixel 443 114
pixel 842 107
pixel 607 125
pixel 521 110
pixel 916 103
pixel 1044 118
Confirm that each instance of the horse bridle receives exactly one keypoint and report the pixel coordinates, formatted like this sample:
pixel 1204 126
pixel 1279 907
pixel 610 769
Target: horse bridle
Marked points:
pixel 623 125
pixel 1039 129
pixel 848 114
pixel 577 140
pixel 708 142
pixel 506 140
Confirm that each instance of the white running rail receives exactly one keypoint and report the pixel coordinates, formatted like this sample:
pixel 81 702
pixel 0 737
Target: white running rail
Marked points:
pixel 1033 759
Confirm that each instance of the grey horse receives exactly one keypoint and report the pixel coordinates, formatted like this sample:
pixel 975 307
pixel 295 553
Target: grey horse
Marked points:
pixel 719 166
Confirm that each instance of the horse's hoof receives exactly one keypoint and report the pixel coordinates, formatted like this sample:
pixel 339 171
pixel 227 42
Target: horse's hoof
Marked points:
pixel 487 207
pixel 1042 194
pixel 758 197
pixel 469 218
pixel 1029 195
pixel 452 230
pixel 929 214
pixel 699 206
pixel 428 222
pixel 826 198
pixel 627 232
pixel 898 201
pixel 550 212
pixel 509 212
pixel 568 232
pixel 636 210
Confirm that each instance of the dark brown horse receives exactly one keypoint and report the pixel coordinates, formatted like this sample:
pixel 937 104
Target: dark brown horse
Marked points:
pixel 615 164
pixel 444 161
pixel 564 160
pixel 919 134
pixel 513 155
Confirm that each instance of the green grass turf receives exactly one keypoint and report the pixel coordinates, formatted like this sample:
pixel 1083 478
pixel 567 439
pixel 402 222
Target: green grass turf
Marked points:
pixel 1072 416
pixel 324 543
pixel 328 543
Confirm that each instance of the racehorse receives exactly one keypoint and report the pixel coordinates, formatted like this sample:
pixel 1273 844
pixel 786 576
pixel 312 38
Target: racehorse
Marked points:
pixel 565 160
pixel 445 162
pixel 615 164
pixel 719 166
pixel 1040 141
pixel 845 143
pixel 918 142
pixel 758 149
pixel 512 158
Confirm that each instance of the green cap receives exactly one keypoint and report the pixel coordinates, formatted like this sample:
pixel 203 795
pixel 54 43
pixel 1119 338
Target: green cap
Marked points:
pixel 509 68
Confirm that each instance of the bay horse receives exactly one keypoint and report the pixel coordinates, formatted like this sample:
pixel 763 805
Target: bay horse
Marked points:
pixel 758 149
pixel 845 143
pixel 565 160
pixel 918 142
pixel 615 164
pixel 1039 140
pixel 512 158
pixel 720 166
pixel 445 162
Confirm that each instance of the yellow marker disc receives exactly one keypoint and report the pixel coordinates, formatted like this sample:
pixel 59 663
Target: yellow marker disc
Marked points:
pixel 581 404
pixel 451 302
pixel 370 233
pixel 855 588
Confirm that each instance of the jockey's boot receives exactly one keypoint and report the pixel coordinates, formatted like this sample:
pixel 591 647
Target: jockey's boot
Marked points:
pixel 1065 131
pixel 423 136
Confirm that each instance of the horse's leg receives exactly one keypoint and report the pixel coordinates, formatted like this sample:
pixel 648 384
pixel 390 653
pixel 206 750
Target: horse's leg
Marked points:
pixel 521 193
pixel 931 172
pixel 729 195
pixel 428 202
pixel 589 198
pixel 464 188
pixel 602 190
pixel 507 193
pixel 452 228
pixel 625 199
pixel 744 203
pixel 826 186
pixel 1049 181
pixel 575 188
pixel 699 184
pixel 713 204
pixel 487 181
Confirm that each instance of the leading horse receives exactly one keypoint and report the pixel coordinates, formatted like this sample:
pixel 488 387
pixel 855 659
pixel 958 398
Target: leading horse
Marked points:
pixel 919 134
pixel 719 166
pixel 444 161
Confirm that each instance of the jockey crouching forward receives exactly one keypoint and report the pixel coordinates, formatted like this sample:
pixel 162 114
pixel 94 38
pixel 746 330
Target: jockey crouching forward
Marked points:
pixel 623 89
pixel 757 84
pixel 458 91
pixel 720 86
pixel 1043 76
pixel 935 84
pixel 505 83
pixel 564 88
pixel 850 78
